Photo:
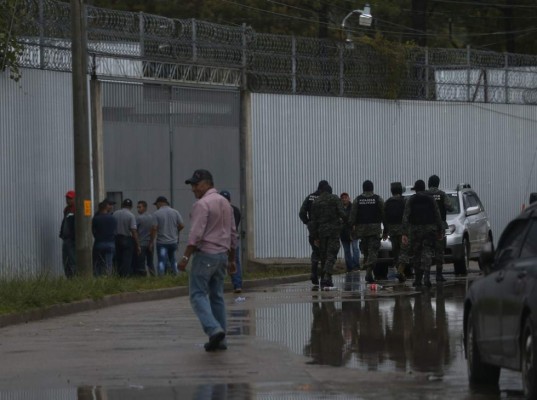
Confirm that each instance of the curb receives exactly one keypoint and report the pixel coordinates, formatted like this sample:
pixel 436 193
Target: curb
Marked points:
pixel 59 310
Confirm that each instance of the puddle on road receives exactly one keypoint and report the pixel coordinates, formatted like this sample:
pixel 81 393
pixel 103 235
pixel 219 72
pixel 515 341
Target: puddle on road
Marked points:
pixel 394 329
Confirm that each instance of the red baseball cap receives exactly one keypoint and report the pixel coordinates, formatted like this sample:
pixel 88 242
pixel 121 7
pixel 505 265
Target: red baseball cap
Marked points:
pixel 70 194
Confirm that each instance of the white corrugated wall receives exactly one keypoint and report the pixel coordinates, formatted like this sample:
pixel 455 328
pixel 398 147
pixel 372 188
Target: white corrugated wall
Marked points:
pixel 299 140
pixel 36 169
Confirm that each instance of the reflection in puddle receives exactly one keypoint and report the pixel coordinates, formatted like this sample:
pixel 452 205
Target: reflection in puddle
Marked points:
pixel 405 331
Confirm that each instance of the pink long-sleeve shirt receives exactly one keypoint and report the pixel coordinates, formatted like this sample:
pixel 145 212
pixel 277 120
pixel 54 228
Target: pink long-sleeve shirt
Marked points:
pixel 212 225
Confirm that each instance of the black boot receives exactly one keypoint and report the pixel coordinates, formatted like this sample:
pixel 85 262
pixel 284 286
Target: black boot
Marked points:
pixel 427 278
pixel 326 282
pixel 401 273
pixel 369 275
pixel 314 275
pixel 417 278
pixel 439 276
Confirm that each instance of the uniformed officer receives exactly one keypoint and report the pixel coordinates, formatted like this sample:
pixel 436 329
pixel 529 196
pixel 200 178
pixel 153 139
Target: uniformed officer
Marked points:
pixel 305 217
pixel 393 214
pixel 367 214
pixel 422 225
pixel 327 218
pixel 444 205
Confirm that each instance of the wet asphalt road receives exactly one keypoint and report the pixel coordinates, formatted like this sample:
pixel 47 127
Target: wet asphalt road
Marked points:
pixel 285 342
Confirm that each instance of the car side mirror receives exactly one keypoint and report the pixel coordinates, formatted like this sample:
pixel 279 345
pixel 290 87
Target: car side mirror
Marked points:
pixel 486 257
pixel 472 210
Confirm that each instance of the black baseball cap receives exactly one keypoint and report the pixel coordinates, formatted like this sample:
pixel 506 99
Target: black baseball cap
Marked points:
pixel 226 194
pixel 419 186
pixel 198 176
pixel 161 199
pixel 126 203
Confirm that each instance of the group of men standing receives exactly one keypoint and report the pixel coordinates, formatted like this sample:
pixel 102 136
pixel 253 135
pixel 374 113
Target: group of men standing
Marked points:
pixel 415 226
pixel 128 241
pixel 125 238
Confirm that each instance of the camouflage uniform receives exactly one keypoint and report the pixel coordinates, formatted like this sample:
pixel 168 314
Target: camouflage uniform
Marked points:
pixel 305 217
pixel 327 218
pixel 393 213
pixel 422 223
pixel 444 205
pixel 367 214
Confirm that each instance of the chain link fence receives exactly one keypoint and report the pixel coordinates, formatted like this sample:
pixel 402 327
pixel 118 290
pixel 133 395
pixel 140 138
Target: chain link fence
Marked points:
pixel 143 46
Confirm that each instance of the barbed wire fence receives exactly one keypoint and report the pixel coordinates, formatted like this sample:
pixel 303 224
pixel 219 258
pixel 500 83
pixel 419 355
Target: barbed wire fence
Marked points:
pixel 143 46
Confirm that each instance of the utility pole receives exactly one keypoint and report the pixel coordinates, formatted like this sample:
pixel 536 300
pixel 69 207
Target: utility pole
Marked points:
pixel 81 139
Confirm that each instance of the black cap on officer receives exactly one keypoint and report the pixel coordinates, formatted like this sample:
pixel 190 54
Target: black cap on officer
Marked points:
pixel 419 186
pixel 396 188
pixel 367 186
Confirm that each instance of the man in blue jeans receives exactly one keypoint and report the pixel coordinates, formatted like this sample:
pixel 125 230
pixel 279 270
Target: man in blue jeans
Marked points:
pixel 212 241
pixel 168 225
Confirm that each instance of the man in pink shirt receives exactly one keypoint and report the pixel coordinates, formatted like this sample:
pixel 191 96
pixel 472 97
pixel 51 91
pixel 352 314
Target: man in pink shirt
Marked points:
pixel 212 240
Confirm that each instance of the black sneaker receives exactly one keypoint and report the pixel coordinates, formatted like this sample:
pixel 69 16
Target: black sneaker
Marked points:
pixel 327 284
pixel 314 280
pixel 214 341
pixel 221 346
pixel 400 277
pixel 369 279
pixel 417 284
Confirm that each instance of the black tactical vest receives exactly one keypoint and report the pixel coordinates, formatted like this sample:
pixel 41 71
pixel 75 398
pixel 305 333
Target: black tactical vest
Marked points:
pixel 439 198
pixel 311 199
pixel 393 210
pixel 422 210
pixel 368 210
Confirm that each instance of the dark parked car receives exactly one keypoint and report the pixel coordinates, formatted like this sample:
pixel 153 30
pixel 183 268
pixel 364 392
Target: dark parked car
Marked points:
pixel 500 313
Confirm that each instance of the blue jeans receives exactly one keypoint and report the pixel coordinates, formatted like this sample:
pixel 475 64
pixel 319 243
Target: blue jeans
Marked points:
pixel 206 287
pixel 352 254
pixel 103 257
pixel 166 255
pixel 236 278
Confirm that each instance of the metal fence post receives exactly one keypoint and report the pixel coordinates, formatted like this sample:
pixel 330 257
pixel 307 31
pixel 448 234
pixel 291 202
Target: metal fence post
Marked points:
pixel 468 73
pixel 341 71
pixel 41 34
pixel 427 73
pixel 293 63
pixel 141 28
pixel 194 38
pixel 244 57
pixel 506 81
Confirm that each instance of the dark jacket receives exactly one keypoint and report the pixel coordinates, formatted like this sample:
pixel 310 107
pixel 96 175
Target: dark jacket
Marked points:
pixel 67 229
